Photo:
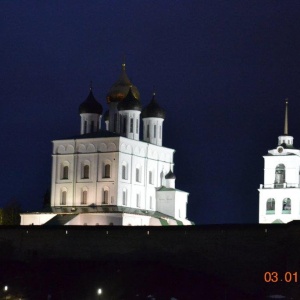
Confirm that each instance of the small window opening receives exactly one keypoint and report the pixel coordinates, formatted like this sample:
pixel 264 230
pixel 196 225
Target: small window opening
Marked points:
pixel 86 172
pixel 137 175
pixel 124 175
pixel 105 197
pixel 84 197
pixel 63 198
pixel 65 172
pixel 107 171
pixel 131 125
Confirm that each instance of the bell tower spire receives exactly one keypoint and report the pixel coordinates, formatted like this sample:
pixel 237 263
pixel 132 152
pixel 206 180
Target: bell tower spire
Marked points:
pixel 286 117
pixel 286 140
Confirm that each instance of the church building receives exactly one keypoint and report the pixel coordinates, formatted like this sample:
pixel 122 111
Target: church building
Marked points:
pixel 279 196
pixel 110 176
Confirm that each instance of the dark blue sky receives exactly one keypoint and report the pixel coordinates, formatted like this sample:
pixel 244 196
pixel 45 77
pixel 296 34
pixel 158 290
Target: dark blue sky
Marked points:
pixel 221 70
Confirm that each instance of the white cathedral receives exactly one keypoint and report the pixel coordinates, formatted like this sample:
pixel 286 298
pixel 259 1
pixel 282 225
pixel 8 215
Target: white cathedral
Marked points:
pixel 279 196
pixel 111 177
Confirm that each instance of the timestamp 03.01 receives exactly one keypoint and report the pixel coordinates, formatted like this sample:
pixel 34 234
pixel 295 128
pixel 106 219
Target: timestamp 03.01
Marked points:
pixel 281 277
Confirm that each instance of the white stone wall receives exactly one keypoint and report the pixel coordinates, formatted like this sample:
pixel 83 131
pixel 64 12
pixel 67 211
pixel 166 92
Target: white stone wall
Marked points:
pixel 135 220
pixel 94 153
pixel 96 219
pixel 36 218
pixel 172 203
pixel 116 152
pixel 99 219
pixel 166 202
pixel 180 205
pixel 145 157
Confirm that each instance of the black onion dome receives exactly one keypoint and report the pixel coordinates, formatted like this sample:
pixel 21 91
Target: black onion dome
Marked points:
pixel 170 175
pixel 130 102
pixel 153 110
pixel 106 116
pixel 90 105
pixel 120 88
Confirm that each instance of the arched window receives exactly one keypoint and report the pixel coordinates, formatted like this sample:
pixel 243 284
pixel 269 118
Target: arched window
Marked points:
pixel 131 125
pixel 124 171
pixel 86 171
pixel 137 175
pixel 107 171
pixel 124 197
pixel 105 197
pixel 65 172
pixel 138 200
pixel 271 206
pixel 155 131
pixel 286 206
pixel 137 126
pixel 151 205
pixel 150 177
pixel 148 130
pixel 84 197
pixel 63 199
pixel 279 175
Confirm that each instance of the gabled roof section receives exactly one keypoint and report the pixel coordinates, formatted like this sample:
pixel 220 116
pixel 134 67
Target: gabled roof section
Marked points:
pixel 165 189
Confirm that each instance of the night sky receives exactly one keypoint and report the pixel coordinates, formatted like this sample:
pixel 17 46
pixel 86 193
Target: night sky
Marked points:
pixel 221 70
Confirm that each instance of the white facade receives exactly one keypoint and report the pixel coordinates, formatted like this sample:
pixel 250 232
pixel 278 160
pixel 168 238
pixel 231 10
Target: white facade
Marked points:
pixel 279 196
pixel 129 170
pixel 110 177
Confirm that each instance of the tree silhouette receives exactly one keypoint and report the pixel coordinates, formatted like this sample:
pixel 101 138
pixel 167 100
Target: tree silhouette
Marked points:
pixel 10 213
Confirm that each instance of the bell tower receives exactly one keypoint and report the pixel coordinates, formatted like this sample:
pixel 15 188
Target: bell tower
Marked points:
pixel 279 195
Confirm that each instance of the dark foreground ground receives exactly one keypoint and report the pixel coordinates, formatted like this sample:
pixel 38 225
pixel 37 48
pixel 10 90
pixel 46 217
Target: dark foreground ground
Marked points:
pixel 198 262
